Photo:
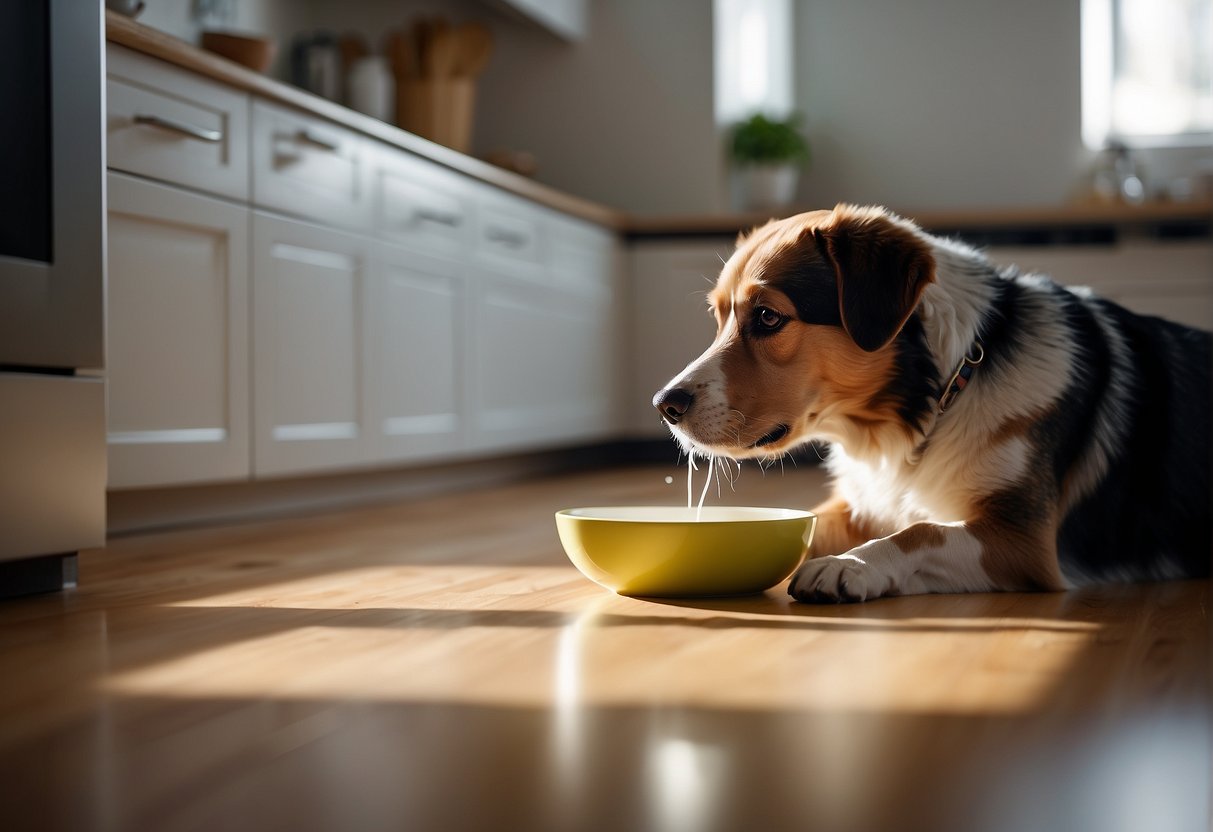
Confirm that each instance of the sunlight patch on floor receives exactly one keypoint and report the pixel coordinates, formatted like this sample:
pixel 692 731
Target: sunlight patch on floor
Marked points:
pixel 604 657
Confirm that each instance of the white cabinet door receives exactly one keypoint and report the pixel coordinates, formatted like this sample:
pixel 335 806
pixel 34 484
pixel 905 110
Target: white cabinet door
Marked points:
pixel 542 374
pixel 309 312
pixel 177 334
pixel 669 319
pixel 585 269
pixel 418 380
pixel 518 350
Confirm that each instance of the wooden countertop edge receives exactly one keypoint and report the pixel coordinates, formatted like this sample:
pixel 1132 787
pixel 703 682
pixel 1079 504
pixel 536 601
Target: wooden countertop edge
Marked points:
pixel 133 35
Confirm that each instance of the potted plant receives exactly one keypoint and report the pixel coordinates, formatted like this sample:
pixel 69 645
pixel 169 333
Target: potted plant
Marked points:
pixel 768 155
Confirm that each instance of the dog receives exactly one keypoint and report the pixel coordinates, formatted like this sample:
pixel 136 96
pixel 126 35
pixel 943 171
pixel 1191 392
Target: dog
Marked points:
pixel 987 430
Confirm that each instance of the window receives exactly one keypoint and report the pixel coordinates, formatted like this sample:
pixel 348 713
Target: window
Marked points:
pixel 1147 72
pixel 753 66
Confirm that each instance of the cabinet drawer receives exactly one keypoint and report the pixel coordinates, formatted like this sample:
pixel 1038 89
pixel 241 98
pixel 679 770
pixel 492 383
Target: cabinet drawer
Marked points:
pixel 310 168
pixel 421 206
pixel 509 236
pixel 165 123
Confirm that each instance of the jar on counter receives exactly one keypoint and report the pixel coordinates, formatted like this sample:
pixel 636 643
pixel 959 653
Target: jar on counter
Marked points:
pixel 370 87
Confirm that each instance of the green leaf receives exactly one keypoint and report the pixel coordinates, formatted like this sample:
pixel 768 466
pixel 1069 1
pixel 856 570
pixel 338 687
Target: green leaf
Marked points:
pixel 760 140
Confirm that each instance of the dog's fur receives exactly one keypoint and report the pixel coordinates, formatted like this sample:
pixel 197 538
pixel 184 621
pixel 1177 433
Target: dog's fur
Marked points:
pixel 1079 451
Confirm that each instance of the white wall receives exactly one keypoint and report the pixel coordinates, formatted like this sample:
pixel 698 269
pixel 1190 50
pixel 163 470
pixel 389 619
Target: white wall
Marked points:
pixel 946 103
pixel 624 117
pixel 940 103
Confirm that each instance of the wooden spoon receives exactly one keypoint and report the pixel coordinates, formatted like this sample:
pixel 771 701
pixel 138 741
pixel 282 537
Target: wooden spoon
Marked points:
pixel 400 56
pixel 474 47
pixel 443 53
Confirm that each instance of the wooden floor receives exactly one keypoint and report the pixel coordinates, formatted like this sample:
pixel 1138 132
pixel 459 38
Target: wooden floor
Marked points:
pixel 439 665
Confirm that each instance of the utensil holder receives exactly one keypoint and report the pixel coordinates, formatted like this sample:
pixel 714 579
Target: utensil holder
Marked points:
pixel 438 109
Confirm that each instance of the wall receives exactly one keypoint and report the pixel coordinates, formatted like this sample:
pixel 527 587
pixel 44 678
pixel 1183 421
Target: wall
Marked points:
pixel 624 117
pixel 946 103
pixel 925 105
pixel 940 103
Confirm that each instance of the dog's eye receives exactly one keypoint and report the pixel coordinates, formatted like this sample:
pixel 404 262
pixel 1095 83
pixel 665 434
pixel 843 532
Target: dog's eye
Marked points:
pixel 768 318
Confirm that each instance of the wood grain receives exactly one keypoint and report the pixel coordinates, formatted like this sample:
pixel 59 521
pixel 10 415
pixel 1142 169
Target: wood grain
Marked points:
pixel 437 664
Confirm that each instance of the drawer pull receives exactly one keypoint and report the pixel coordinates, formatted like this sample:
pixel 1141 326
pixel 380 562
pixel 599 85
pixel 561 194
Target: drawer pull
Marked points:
pixel 510 239
pixel 306 136
pixel 202 134
pixel 440 217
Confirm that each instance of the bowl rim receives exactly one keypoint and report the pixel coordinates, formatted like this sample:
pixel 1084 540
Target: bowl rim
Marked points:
pixel 781 515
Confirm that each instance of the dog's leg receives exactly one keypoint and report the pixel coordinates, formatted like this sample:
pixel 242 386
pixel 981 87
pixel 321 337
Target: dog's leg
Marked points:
pixel 929 557
pixel 837 531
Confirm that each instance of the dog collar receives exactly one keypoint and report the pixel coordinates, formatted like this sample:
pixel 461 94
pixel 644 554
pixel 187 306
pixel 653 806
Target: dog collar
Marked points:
pixel 960 378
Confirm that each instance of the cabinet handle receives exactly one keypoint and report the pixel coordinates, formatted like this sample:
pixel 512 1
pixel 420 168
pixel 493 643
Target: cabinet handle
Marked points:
pixel 511 239
pixel 202 134
pixel 306 136
pixel 440 217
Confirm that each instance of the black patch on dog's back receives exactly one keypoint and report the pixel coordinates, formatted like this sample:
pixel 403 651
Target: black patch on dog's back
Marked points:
pixel 1152 507
pixel 1068 428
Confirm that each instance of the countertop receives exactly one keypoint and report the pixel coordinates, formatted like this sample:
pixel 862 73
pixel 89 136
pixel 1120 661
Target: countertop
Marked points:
pixel 133 35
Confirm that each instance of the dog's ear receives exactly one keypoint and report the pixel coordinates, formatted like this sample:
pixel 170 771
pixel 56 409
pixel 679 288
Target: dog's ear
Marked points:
pixel 882 267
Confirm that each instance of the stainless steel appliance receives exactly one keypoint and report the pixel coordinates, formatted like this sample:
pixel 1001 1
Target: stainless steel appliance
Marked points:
pixel 52 290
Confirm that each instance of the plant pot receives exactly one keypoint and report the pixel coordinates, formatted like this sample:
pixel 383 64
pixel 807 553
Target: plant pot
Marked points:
pixel 768 186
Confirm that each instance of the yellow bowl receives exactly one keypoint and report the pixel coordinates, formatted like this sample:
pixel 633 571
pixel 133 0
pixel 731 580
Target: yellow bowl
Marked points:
pixel 662 551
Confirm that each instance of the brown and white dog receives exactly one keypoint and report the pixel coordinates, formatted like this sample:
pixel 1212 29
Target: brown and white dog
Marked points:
pixel 988 430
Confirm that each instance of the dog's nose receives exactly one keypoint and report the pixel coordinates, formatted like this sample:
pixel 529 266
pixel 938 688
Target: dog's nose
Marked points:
pixel 673 403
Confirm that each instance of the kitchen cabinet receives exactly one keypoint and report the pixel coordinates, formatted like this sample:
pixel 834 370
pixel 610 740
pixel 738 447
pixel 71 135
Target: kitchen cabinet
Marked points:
pixel 310 168
pixel 177 334
pixel 292 296
pixel 669 319
pixel 309 357
pixel 167 124
pixel 422 206
pixel 419 355
pixel 546 344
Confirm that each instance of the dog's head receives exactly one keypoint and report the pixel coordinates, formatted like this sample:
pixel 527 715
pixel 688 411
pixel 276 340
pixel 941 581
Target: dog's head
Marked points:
pixel 809 314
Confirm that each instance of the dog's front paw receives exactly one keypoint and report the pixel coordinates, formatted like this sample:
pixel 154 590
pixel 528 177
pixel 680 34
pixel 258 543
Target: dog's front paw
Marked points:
pixel 834 580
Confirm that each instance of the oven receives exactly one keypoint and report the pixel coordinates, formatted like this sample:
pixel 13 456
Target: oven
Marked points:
pixel 52 290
